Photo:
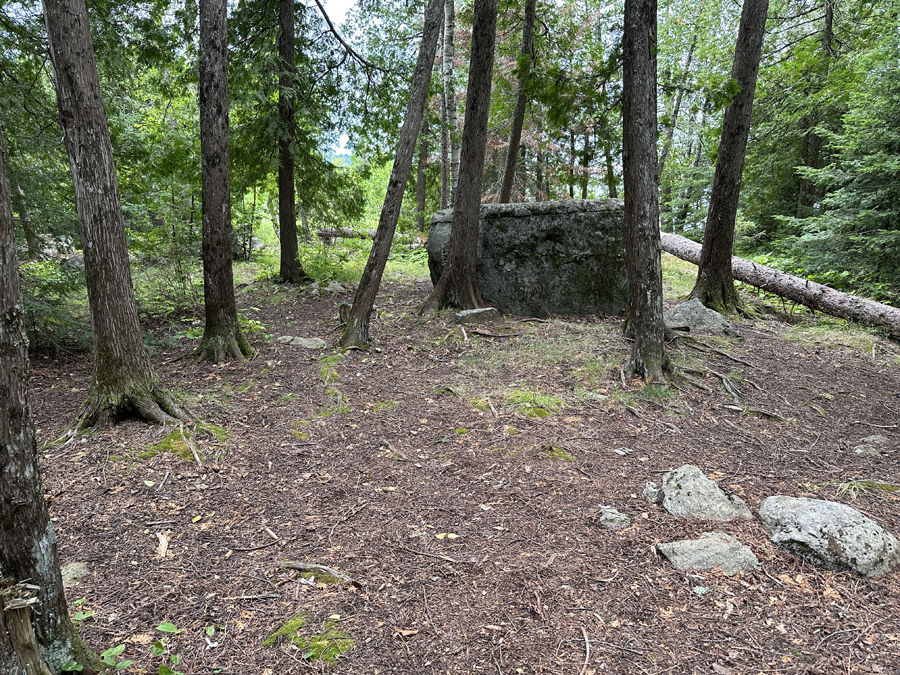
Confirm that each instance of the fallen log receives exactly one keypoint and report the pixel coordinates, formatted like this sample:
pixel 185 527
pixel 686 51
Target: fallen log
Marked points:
pixel 802 291
pixel 327 234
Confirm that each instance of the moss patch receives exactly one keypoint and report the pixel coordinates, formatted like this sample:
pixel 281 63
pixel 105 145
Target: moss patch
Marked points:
pixel 326 646
pixel 533 404
pixel 557 452
pixel 177 441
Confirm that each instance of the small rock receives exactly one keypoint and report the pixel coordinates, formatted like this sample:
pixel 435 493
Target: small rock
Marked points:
pixel 74 572
pixel 306 343
pixel 870 445
pixel 700 591
pixel 476 316
pixel 712 549
pixel 834 536
pixel 687 492
pixel 324 288
pixel 652 493
pixel 612 519
pixel 693 316
pixel 622 451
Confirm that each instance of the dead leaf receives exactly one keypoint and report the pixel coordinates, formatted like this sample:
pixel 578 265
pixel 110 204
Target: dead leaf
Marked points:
pixel 163 548
pixel 721 670
pixel 406 632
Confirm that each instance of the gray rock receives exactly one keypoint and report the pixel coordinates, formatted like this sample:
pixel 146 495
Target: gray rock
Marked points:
pixel 712 549
pixel 831 535
pixel 74 572
pixel 872 445
pixel 692 316
pixel 475 316
pixel 325 288
pixel 306 343
pixel 612 519
pixel 73 262
pixel 539 258
pixel 687 492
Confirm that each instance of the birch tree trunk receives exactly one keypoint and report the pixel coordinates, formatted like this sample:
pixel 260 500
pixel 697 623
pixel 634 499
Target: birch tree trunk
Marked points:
pixel 222 337
pixel 448 53
pixel 123 381
pixel 641 183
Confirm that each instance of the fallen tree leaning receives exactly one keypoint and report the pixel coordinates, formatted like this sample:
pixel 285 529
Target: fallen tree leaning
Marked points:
pixel 329 233
pixel 802 291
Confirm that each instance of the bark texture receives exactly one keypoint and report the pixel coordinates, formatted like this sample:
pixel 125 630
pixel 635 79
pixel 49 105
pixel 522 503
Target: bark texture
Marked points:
pixel 28 545
pixel 458 285
pixel 356 330
pixel 714 287
pixel 421 184
pixel 222 337
pixel 518 120
pixel 123 382
pixel 448 53
pixel 796 289
pixel 641 182
pixel 291 271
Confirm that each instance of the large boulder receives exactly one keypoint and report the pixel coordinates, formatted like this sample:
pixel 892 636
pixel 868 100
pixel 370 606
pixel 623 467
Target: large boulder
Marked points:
pixel 692 316
pixel 540 258
pixel 834 536
pixel 687 492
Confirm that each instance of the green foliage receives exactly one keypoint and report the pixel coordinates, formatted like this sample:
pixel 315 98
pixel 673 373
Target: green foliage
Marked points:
pixel 534 404
pixel 53 298
pixel 325 647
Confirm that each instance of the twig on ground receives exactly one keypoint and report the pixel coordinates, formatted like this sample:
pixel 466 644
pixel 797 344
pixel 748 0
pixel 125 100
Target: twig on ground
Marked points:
pixel 349 513
pixel 587 651
pixel 493 335
pixel 313 567
pixel 190 443
pixel 428 613
pixel 877 426
pixel 434 555
pixel 256 548
pixel 538 609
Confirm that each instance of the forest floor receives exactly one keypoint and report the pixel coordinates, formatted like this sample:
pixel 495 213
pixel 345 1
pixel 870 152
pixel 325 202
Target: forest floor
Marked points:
pixel 457 477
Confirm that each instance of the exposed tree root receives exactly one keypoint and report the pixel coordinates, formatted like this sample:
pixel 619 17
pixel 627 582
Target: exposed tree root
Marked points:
pixel 221 347
pixel 145 399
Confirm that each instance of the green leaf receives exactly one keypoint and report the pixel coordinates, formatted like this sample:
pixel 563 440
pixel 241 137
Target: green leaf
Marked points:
pixel 168 627
pixel 72 666
pixel 122 665
pixel 81 616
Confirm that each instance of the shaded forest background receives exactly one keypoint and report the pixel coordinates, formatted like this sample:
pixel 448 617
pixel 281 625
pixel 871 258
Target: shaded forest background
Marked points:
pixel 820 188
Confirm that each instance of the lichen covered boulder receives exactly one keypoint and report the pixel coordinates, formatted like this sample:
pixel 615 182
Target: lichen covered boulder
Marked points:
pixel 540 258
pixel 687 492
pixel 711 550
pixel 833 536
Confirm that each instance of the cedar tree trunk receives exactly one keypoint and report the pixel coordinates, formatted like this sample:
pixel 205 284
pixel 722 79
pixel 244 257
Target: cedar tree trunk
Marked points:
pixel 291 270
pixel 714 287
pixel 32 241
pixel 123 381
pixel 28 545
pixel 518 121
pixel 458 285
pixel 641 182
pixel 222 337
pixel 356 331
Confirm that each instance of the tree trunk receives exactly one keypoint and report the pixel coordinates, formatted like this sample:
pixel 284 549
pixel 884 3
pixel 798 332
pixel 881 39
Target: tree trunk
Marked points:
pixel 714 287
pixel 641 182
pixel 796 289
pixel 458 285
pixel 32 241
pixel 447 55
pixel 445 149
pixel 587 156
pixel 421 185
pixel 523 73
pixel 356 330
pixel 611 185
pixel 676 106
pixel 123 381
pixel 222 337
pixel 28 545
pixel 291 271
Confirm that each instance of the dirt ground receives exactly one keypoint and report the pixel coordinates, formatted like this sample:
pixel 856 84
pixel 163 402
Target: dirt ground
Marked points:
pixel 457 477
